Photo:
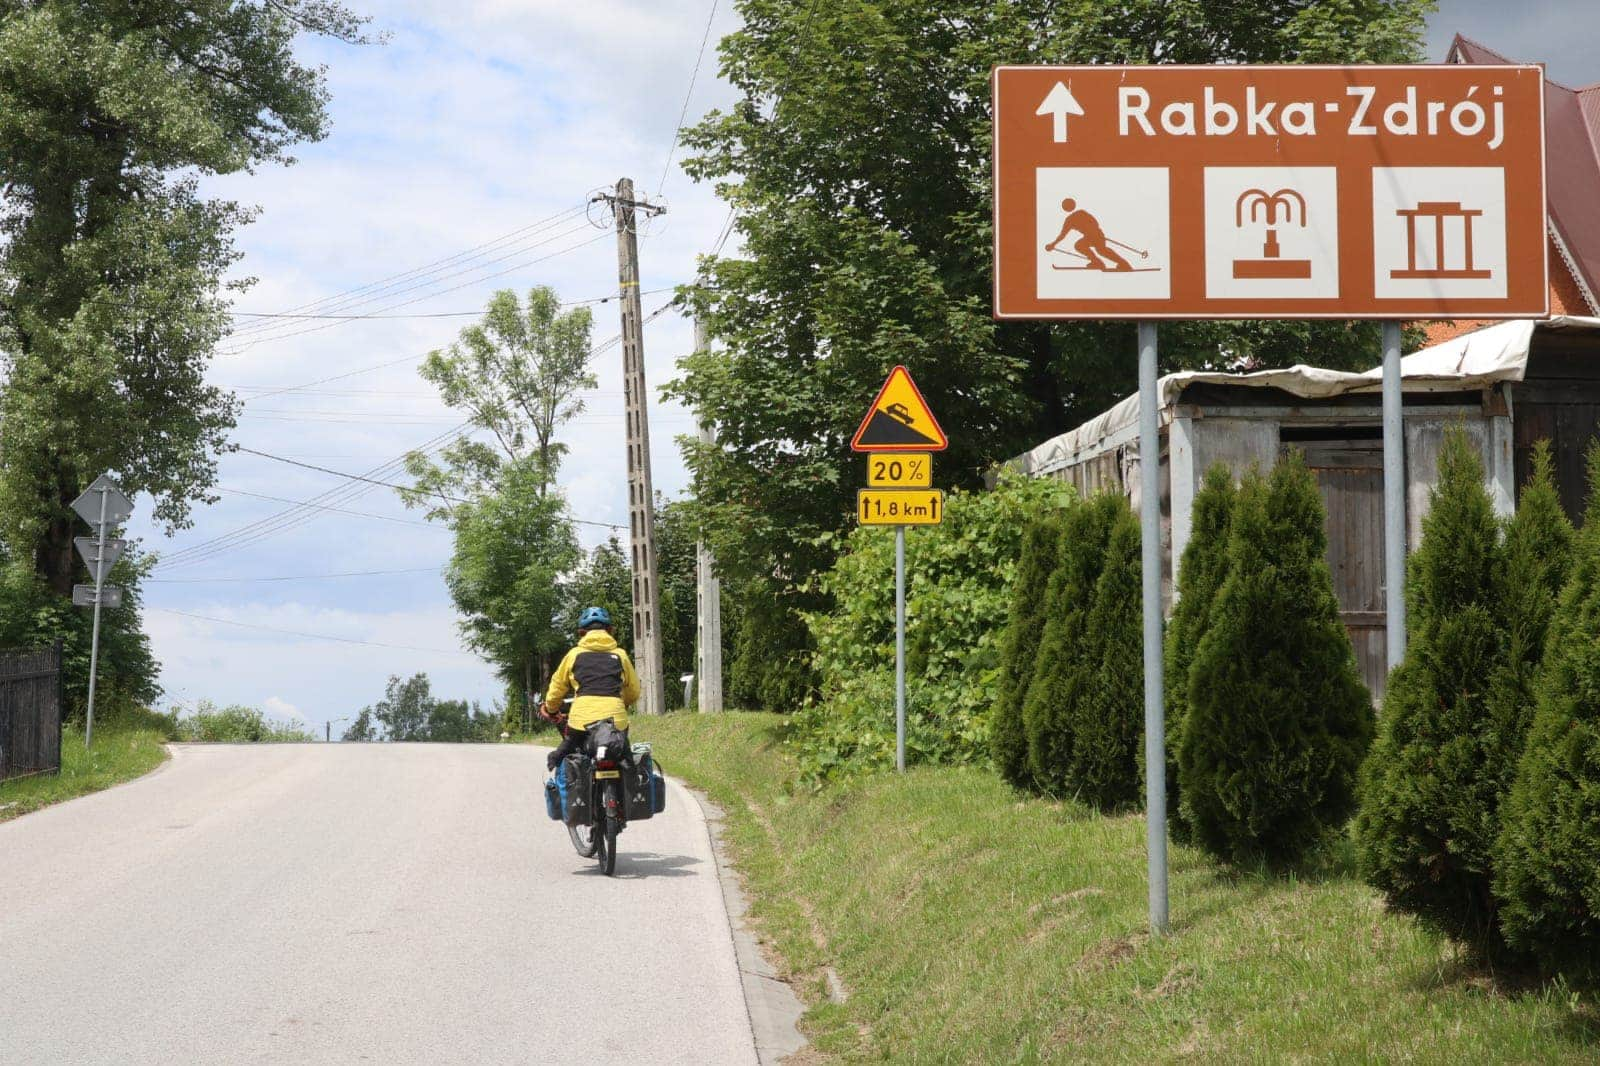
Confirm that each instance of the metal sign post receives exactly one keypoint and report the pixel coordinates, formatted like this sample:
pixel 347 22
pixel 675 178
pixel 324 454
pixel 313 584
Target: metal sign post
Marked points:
pixel 1155 722
pixel 898 433
pixel 1394 497
pixel 102 505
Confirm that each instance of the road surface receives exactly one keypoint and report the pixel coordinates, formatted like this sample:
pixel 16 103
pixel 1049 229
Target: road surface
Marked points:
pixel 386 903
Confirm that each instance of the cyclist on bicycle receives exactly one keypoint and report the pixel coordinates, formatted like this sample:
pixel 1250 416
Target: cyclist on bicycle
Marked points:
pixel 601 678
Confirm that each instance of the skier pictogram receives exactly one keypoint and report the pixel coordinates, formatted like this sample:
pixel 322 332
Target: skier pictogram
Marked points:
pixel 1272 209
pixel 1092 246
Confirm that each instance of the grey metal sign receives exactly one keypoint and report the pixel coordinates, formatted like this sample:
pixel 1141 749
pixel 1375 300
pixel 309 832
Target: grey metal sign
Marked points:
pixel 84 596
pixel 117 506
pixel 99 558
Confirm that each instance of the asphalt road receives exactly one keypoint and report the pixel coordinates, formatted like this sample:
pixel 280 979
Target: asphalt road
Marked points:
pixel 358 903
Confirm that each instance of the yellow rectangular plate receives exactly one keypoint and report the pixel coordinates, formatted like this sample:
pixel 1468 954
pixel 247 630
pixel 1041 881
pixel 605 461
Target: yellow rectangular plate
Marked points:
pixel 900 507
pixel 601 774
pixel 900 470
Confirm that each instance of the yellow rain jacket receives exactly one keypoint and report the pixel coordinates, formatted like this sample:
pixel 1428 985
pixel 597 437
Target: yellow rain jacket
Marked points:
pixel 601 678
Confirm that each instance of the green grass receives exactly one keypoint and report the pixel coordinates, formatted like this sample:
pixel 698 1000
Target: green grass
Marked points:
pixel 118 755
pixel 969 924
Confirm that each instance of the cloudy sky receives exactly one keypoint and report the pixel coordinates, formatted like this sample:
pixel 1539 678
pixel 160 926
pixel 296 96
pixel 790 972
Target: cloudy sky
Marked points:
pixel 460 154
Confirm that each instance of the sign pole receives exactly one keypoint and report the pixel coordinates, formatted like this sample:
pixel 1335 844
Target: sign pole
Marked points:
pixel 94 640
pixel 1155 741
pixel 1394 496
pixel 900 649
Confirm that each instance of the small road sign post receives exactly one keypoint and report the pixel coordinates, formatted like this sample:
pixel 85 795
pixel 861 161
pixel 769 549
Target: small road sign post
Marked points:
pixel 898 433
pixel 102 505
pixel 1381 192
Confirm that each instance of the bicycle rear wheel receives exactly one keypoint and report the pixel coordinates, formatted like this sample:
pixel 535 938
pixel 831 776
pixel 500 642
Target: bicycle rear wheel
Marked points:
pixel 584 839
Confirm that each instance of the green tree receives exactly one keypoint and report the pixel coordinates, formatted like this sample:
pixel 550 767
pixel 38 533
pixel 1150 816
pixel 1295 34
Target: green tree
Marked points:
pixel 458 722
pixel 362 728
pixel 605 579
pixel 675 580
pixel 1547 869
pixel 1430 790
pixel 1278 717
pixel 1201 572
pixel 512 548
pixel 866 242
pixel 1008 741
pixel 518 375
pixel 1067 667
pixel 112 263
pixel 1108 724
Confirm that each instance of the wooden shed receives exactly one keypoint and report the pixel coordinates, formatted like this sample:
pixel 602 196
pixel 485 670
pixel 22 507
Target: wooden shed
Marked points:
pixel 1508 385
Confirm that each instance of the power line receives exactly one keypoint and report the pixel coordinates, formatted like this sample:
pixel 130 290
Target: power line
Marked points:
pixel 441 292
pixel 425 314
pixel 403 488
pixel 334 510
pixel 687 96
pixel 308 636
pixel 293 577
pixel 333 302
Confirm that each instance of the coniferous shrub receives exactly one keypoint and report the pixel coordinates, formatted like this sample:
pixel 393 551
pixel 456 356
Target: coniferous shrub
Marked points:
pixel 1008 740
pixel 1431 788
pixel 1108 723
pixel 1066 669
pixel 1547 877
pixel 1278 717
pixel 1200 573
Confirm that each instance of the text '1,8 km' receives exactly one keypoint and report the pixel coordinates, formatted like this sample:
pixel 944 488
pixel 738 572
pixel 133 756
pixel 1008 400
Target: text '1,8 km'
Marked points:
pixel 900 507
pixel 1269 192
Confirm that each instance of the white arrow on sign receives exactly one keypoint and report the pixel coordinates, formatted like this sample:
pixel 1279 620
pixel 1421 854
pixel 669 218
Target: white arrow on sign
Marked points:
pixel 84 596
pixel 89 548
pixel 1059 103
pixel 117 505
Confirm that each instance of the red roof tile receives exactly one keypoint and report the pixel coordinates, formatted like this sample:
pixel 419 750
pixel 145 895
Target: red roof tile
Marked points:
pixel 1572 168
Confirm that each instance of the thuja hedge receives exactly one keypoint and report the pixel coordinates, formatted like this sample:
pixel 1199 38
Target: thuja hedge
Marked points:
pixel 1456 713
pixel 1547 876
pixel 1008 743
pixel 1277 720
pixel 959 594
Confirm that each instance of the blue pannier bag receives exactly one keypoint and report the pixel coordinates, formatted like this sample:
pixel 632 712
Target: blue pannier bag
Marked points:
pixel 552 796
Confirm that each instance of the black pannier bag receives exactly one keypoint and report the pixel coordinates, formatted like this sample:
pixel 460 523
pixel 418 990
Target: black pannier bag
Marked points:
pixel 552 799
pixel 578 773
pixel 638 794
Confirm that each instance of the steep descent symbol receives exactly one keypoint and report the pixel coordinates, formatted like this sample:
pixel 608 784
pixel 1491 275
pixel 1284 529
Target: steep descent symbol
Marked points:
pixel 1270 208
pixel 1439 211
pixel 1092 246
pixel 899 420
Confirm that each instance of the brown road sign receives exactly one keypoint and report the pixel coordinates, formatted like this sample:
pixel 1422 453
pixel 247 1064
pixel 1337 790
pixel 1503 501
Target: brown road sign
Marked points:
pixel 899 420
pixel 1269 192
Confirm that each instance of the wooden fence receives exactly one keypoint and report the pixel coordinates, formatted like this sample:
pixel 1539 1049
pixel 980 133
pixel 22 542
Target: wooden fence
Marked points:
pixel 30 711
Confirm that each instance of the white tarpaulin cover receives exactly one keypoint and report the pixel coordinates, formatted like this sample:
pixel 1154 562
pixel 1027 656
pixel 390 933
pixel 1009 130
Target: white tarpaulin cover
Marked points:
pixel 1471 361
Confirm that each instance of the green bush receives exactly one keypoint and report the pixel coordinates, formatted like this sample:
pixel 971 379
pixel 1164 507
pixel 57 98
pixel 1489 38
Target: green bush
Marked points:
pixel 1067 665
pixel 1278 717
pixel 1007 740
pixel 1547 877
pixel 1108 725
pixel 1430 792
pixel 236 724
pixel 772 668
pixel 959 578
pixel 1200 575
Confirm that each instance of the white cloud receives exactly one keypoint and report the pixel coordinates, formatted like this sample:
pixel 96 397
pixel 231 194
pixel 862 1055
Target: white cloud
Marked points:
pixel 476 119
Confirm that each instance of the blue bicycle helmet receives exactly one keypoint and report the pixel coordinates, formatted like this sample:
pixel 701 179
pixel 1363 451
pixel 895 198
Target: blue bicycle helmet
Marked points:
pixel 594 616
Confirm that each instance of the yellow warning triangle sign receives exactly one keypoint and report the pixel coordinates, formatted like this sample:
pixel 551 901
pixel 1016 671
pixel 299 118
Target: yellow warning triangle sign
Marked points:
pixel 899 420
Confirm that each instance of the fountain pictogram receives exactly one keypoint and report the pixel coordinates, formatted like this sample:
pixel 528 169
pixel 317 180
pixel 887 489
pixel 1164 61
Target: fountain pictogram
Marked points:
pixel 1283 207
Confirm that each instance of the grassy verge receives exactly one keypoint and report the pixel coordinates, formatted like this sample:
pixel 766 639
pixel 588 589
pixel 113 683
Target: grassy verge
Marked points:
pixel 118 755
pixel 967 924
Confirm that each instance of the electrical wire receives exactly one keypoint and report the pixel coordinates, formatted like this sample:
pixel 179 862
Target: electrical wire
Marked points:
pixel 336 301
pixel 307 636
pixel 290 577
pixel 335 510
pixel 428 314
pixel 687 96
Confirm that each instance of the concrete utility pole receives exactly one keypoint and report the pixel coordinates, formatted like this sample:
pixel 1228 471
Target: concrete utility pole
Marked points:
pixel 641 498
pixel 708 593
